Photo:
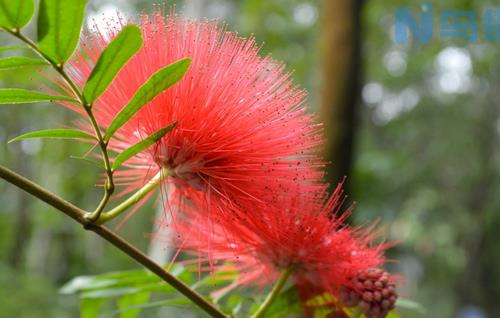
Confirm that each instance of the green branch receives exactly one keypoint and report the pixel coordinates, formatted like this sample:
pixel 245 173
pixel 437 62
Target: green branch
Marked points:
pixel 79 215
pixel 134 199
pixel 103 145
pixel 271 297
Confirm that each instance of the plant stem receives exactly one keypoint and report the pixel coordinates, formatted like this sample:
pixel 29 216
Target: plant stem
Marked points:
pixel 103 145
pixel 271 297
pixel 79 215
pixel 134 199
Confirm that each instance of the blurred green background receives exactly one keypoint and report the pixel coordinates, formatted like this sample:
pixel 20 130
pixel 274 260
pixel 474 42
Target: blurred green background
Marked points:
pixel 417 133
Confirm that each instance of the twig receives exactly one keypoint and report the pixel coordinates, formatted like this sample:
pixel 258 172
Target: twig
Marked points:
pixel 271 297
pixel 109 187
pixel 79 215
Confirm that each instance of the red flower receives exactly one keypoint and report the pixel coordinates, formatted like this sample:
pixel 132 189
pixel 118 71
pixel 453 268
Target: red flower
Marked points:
pixel 300 231
pixel 242 130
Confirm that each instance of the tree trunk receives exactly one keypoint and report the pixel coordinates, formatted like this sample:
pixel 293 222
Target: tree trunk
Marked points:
pixel 478 283
pixel 341 66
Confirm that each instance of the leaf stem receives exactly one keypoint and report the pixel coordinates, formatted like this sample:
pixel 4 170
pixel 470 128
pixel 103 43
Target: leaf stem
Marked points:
pixel 78 215
pixel 103 145
pixel 134 199
pixel 271 297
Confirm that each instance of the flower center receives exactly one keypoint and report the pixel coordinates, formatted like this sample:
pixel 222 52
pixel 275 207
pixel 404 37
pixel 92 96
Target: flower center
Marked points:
pixel 187 177
pixel 184 172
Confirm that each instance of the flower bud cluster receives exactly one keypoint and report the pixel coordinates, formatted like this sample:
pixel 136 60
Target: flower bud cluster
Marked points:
pixel 372 291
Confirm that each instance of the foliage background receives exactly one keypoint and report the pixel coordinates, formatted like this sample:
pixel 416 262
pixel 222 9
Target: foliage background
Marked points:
pixel 426 160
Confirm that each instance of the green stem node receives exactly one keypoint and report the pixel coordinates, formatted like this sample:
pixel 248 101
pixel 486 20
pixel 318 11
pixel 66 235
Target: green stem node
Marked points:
pixel 134 199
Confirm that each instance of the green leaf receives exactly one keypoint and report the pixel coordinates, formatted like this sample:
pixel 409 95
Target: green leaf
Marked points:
pixel 13 47
pixel 121 290
pixel 223 278
pixel 59 26
pixel 89 307
pixel 325 312
pixel 16 14
pixel 89 161
pixel 287 302
pixel 411 305
pixel 234 304
pixel 77 284
pixel 55 134
pixel 393 314
pixel 110 292
pixel 157 83
pixel 113 280
pixel 130 288
pixel 140 146
pixel 21 96
pixel 127 301
pixel 321 300
pixel 19 61
pixel 112 59
pixel 177 302
pixel 117 284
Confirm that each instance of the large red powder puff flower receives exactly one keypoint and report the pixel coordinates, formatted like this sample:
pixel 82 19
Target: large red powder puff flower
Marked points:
pixel 242 130
pixel 302 233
